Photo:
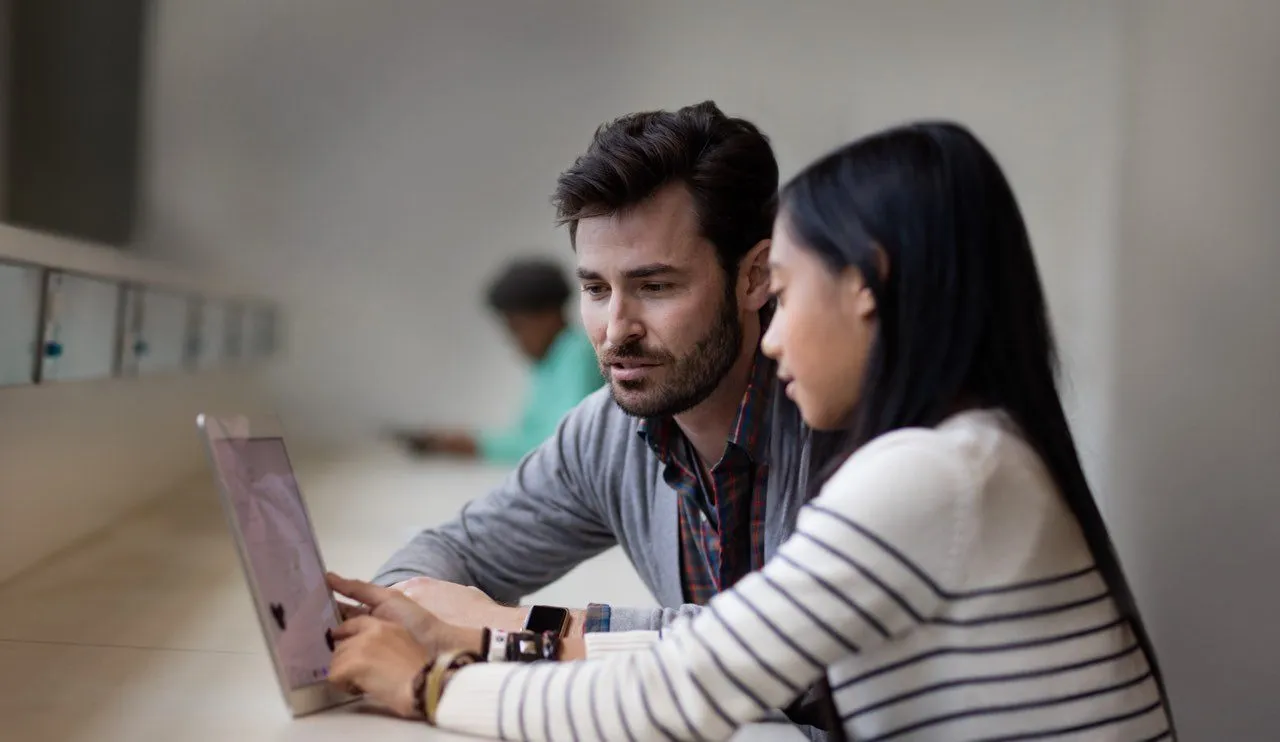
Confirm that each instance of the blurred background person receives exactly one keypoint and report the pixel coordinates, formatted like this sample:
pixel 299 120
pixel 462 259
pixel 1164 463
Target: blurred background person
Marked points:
pixel 530 296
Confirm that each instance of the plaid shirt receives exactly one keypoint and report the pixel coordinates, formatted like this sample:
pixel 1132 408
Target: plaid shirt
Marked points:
pixel 722 514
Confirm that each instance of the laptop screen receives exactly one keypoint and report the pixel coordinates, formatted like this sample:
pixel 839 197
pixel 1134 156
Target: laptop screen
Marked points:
pixel 282 554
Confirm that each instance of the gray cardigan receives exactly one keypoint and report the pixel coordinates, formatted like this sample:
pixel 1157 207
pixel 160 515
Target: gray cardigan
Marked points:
pixel 594 484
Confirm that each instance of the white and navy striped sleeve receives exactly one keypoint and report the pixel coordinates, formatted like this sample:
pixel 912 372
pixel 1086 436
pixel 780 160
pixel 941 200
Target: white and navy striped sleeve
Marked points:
pixel 860 569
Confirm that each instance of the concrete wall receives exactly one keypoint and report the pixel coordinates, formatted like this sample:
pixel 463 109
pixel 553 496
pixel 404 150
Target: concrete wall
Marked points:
pixel 1196 452
pixel 376 161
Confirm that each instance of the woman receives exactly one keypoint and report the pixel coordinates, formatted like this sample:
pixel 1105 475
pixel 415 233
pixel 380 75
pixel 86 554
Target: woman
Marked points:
pixel 953 579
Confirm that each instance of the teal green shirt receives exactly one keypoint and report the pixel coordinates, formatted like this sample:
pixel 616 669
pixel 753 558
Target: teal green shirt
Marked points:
pixel 563 378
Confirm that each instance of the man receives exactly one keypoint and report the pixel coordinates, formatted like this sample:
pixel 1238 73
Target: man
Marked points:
pixel 693 459
pixel 530 296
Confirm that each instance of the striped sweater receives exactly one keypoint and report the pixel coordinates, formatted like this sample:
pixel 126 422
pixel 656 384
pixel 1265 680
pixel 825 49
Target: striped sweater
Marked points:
pixel 939 581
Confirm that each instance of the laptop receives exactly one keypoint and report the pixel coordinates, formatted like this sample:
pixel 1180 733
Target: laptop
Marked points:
pixel 278 552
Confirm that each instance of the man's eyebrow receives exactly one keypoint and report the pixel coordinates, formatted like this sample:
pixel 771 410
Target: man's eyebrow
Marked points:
pixel 644 271
pixel 652 270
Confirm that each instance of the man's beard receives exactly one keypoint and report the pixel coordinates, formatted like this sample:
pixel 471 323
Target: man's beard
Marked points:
pixel 688 380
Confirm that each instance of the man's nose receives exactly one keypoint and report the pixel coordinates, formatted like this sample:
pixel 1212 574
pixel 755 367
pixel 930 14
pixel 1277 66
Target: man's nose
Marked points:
pixel 624 326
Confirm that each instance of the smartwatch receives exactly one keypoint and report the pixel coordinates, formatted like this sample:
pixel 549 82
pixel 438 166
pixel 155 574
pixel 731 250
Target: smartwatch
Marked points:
pixel 546 619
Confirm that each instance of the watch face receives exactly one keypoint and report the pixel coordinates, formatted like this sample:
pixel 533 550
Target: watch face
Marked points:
pixel 545 618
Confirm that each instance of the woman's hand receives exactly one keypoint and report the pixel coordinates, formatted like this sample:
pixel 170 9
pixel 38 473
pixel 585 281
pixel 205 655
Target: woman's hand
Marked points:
pixel 380 659
pixel 395 607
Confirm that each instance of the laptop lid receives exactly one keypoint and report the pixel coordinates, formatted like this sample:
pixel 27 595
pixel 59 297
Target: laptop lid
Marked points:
pixel 279 555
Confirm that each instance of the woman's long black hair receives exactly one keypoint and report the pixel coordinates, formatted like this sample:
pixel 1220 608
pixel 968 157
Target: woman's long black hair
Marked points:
pixel 962 319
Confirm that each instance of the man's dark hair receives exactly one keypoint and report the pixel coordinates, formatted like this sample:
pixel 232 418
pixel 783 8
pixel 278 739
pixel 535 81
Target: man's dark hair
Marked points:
pixel 529 285
pixel 726 163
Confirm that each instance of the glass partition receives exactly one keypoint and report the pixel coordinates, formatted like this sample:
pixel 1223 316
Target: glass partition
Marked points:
pixel 59 325
pixel 19 322
pixel 82 327
pixel 160 343
pixel 234 343
pixel 210 343
pixel 263 332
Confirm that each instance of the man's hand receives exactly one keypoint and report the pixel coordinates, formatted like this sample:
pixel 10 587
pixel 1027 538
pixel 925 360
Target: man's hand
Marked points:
pixel 456 444
pixel 421 443
pixel 462 606
pixel 469 606
pixel 392 606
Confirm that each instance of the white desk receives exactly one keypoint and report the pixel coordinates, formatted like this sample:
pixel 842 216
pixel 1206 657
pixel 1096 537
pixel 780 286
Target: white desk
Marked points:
pixel 146 632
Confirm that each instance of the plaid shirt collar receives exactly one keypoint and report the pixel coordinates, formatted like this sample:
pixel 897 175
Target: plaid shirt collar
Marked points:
pixel 749 433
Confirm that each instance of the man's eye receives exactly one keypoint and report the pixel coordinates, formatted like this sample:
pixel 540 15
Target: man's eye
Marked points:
pixel 594 289
pixel 653 288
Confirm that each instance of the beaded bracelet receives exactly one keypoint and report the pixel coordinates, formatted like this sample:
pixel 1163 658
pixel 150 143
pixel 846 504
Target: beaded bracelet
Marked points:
pixel 524 646
pixel 496 648
pixel 550 646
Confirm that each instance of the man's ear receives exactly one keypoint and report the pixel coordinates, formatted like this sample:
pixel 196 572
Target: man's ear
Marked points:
pixel 753 277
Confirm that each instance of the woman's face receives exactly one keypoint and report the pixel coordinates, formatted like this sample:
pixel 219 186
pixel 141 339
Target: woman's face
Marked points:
pixel 821 332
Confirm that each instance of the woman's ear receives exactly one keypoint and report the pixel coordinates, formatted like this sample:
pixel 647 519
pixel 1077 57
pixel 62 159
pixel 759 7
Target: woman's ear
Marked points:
pixel 856 297
pixel 753 277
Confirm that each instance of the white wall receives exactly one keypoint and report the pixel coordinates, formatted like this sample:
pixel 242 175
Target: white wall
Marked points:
pixel 1197 353
pixel 376 161
pixel 373 163
pixel 1039 82
pixel 76 456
